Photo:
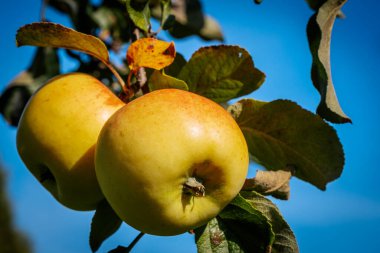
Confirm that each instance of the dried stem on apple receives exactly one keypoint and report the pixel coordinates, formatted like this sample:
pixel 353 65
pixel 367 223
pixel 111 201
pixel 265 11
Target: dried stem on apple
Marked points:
pixel 194 187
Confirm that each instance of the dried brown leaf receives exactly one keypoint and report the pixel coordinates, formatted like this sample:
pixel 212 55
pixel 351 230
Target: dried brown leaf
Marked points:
pixel 275 183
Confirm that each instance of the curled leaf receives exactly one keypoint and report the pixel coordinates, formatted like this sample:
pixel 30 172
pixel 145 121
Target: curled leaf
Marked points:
pixel 319 35
pixel 46 34
pixel 150 53
pixel 275 183
pixel 239 110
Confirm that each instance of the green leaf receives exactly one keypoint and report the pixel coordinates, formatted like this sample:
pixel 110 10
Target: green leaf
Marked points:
pixel 319 35
pixel 159 80
pixel 281 135
pixel 44 66
pixel 213 238
pixel 104 224
pixel 221 73
pixel 167 20
pixel 285 241
pixel 238 228
pixel 47 34
pixel 139 13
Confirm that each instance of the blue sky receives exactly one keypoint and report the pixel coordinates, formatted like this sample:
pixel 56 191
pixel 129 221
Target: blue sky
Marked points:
pixel 344 218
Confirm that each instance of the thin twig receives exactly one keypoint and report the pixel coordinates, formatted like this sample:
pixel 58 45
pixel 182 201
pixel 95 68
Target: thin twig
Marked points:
pixel 141 74
pixel 122 249
pixel 126 89
pixel 134 242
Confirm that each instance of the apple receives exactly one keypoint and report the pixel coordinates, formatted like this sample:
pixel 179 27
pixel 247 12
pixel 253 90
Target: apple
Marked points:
pixel 57 135
pixel 170 160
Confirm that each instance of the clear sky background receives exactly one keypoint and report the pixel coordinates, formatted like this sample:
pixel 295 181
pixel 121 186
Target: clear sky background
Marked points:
pixel 344 218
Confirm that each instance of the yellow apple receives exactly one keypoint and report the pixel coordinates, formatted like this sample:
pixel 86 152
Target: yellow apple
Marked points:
pixel 57 135
pixel 170 161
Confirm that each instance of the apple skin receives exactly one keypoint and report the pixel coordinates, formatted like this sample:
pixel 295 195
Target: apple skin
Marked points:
pixel 149 148
pixel 57 135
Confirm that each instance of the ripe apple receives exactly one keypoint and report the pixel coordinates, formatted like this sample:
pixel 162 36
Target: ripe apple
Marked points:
pixel 170 161
pixel 57 136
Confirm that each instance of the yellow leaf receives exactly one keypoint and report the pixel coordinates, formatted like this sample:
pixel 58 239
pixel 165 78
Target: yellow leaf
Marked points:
pixel 150 53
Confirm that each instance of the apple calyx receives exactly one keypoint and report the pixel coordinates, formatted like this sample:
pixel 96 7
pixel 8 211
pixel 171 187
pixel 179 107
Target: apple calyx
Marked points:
pixel 194 187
